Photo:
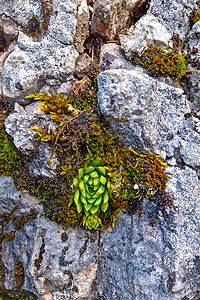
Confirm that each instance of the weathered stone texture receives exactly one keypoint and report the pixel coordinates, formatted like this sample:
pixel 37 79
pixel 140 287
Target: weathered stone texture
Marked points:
pixel 148 114
pixel 137 262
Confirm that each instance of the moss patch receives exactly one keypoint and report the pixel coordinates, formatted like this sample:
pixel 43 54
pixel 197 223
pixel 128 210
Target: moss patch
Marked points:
pixel 195 17
pixel 163 63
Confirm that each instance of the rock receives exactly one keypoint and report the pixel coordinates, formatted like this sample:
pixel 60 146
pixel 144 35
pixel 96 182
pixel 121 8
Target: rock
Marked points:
pixel 19 122
pixel 148 114
pixel 18 126
pixel 85 67
pixel 34 61
pixel 82 27
pixel 193 37
pixel 43 164
pixel 194 91
pixel 8 32
pixel 10 198
pixel 149 30
pixel 52 266
pixel 112 57
pixel 163 262
pixel 112 16
pixel 174 14
pixel 25 72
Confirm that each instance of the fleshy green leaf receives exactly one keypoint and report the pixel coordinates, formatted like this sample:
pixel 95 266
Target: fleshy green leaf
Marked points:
pixel 79 207
pixel 101 170
pixel 75 182
pixel 94 174
pixel 103 179
pixel 88 206
pixel 96 181
pixel 76 196
pixel 85 178
pixel 94 209
pixel 104 206
pixel 80 173
pixel 105 196
pixel 89 170
pixel 83 199
pixel 98 200
pixel 71 201
pixel 101 190
pixel 96 162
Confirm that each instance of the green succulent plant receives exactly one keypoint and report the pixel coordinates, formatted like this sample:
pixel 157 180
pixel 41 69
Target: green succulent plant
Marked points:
pixel 91 188
pixel 91 221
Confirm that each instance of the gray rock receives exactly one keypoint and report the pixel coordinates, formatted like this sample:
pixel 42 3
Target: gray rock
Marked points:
pixel 34 61
pixel 110 16
pixel 44 164
pixel 112 57
pixel 137 262
pixel 18 125
pixel 149 30
pixel 193 37
pixel 10 198
pixel 19 122
pixel 52 265
pixel 82 28
pixel 148 114
pixel 174 14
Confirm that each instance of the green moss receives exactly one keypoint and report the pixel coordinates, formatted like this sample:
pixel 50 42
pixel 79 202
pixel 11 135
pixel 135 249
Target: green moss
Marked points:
pixel 11 295
pixel 163 63
pixel 10 157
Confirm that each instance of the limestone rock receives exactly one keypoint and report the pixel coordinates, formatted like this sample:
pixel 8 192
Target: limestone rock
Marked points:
pixel 148 114
pixel 174 14
pixel 44 164
pixel 110 16
pixel 194 91
pixel 19 123
pixel 163 262
pixel 149 30
pixel 53 56
pixel 10 198
pixel 52 265
pixel 112 57
pixel 82 27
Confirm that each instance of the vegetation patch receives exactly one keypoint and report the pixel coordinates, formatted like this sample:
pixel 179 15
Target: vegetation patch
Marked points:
pixel 162 63
pixel 195 17
pixel 35 25
pixel 98 175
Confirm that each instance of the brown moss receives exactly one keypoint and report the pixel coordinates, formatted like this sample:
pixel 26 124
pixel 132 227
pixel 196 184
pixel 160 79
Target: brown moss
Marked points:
pixel 19 273
pixel 162 63
pixel 9 236
pixel 19 222
pixel 195 17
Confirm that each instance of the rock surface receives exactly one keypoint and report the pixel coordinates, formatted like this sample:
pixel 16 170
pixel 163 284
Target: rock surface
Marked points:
pixel 149 30
pixel 137 262
pixel 131 261
pixel 110 17
pixel 35 62
pixel 148 114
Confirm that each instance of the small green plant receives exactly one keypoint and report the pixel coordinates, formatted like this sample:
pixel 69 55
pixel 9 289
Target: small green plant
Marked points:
pixel 91 221
pixel 91 190
pixel 163 63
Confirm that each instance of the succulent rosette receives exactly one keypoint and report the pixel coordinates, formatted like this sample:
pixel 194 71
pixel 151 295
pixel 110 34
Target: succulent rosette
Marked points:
pixel 91 221
pixel 91 188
